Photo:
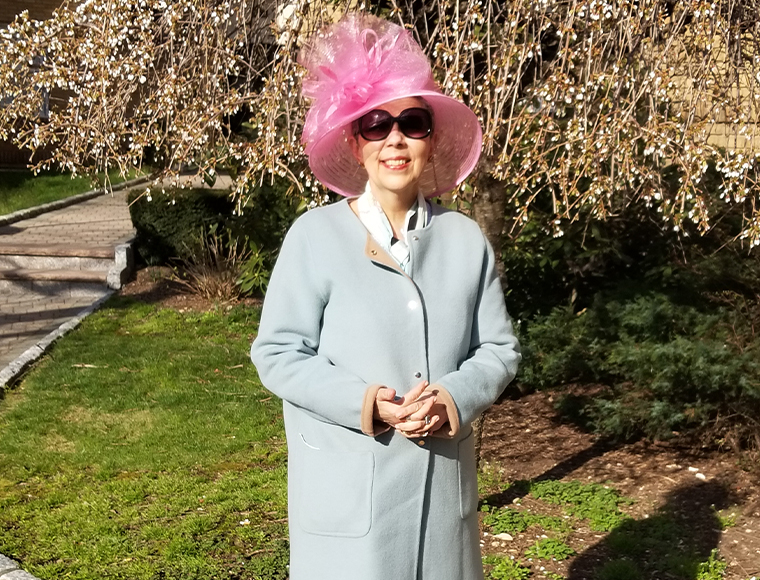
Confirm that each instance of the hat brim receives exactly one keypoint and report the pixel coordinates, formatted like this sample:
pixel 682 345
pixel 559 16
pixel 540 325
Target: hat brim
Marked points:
pixel 458 139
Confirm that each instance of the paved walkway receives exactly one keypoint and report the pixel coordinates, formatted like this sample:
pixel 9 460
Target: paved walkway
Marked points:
pixel 26 319
pixel 101 221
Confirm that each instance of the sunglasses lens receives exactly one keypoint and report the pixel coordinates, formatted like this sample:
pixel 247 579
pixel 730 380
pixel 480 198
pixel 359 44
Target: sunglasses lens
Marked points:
pixel 415 123
pixel 376 125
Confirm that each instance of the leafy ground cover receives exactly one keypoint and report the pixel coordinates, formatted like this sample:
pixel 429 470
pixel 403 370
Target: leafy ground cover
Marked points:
pixel 144 447
pixel 22 189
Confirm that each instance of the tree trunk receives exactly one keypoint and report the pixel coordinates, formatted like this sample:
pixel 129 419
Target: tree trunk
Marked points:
pixel 489 209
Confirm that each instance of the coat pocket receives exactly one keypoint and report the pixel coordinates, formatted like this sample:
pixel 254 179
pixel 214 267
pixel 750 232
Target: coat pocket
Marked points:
pixel 335 497
pixel 468 476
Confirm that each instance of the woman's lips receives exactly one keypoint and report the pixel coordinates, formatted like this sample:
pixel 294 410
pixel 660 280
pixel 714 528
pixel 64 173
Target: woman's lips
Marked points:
pixel 396 163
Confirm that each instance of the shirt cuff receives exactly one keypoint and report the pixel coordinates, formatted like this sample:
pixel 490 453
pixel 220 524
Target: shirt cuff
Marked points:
pixel 369 425
pixel 449 429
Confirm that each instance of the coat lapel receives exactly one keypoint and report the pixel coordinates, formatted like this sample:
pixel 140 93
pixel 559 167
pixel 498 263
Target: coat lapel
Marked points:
pixel 377 254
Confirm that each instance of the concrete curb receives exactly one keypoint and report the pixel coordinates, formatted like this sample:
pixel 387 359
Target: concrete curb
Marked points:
pixel 9 570
pixel 124 264
pixel 31 212
pixel 11 373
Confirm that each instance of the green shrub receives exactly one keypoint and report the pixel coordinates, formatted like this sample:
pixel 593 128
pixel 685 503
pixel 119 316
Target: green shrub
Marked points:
pixel 666 365
pixel 168 224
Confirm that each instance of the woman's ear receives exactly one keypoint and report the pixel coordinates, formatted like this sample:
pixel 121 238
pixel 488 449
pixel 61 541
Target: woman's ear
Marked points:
pixel 356 149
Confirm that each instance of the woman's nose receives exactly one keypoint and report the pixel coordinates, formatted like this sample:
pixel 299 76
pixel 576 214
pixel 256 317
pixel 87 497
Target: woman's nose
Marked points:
pixel 395 136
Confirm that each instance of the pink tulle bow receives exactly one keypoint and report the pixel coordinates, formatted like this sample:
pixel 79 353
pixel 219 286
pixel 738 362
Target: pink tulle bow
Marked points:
pixel 362 67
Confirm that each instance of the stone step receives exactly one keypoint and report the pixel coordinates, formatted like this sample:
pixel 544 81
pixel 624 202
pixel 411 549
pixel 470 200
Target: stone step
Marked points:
pixel 25 262
pixel 31 287
pixel 54 275
pixel 43 282
pixel 8 248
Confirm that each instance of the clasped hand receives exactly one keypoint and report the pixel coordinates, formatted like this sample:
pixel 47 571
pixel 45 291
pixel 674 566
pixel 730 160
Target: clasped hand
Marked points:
pixel 407 414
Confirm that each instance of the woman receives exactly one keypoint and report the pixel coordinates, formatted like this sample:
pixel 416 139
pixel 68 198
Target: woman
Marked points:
pixel 384 329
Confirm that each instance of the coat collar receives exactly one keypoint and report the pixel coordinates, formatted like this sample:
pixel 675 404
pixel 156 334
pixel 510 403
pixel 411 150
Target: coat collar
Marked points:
pixel 373 251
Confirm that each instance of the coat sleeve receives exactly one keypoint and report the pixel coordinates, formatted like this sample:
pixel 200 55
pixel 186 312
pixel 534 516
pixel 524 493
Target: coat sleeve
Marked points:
pixel 493 356
pixel 285 350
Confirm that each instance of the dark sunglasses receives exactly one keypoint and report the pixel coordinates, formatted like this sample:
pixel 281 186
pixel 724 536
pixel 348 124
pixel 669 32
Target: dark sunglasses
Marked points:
pixel 415 123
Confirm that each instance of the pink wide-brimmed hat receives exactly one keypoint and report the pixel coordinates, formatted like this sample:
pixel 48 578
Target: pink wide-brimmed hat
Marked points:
pixel 353 67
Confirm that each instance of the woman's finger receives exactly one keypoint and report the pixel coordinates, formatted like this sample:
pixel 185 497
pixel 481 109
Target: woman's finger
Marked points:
pixel 416 411
pixel 413 429
pixel 414 393
pixel 429 425
pixel 410 427
pixel 385 394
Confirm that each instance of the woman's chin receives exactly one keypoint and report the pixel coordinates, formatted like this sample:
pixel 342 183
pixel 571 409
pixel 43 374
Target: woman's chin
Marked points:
pixel 403 188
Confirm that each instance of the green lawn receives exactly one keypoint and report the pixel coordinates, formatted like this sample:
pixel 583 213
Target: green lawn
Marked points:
pixel 145 447
pixel 22 189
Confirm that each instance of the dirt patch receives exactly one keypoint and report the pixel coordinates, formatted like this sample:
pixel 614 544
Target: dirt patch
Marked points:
pixel 704 491
pixel 57 443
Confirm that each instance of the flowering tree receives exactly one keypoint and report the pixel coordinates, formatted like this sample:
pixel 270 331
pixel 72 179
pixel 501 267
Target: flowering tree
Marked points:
pixel 587 105
pixel 154 79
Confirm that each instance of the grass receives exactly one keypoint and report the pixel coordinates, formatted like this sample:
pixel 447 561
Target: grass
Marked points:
pixel 512 521
pixel 144 447
pixel 22 189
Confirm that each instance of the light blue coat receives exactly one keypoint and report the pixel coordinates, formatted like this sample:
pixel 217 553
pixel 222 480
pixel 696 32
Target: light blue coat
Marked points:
pixel 340 319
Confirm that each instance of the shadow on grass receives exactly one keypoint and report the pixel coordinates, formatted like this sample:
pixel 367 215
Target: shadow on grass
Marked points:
pixel 672 543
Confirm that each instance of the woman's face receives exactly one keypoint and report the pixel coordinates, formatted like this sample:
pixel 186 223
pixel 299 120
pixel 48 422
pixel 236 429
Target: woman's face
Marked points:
pixel 394 164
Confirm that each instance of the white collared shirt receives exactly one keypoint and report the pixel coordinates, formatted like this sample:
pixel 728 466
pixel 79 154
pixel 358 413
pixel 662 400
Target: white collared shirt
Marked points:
pixel 374 219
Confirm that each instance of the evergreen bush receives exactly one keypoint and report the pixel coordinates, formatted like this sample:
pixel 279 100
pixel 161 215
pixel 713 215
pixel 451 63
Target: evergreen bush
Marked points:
pixel 171 226
pixel 168 224
pixel 664 366
pixel 648 330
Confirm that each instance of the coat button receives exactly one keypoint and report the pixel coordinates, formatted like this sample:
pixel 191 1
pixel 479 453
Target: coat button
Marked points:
pixel 421 442
pixel 373 252
pixel 416 238
pixel 412 305
pixel 417 375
